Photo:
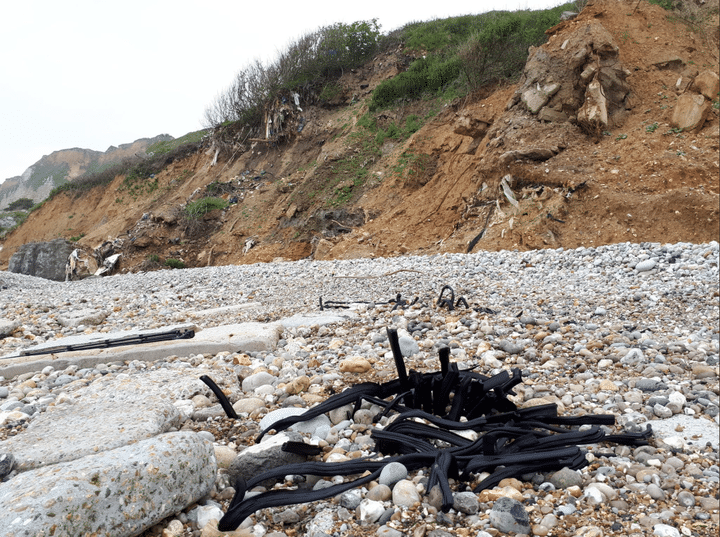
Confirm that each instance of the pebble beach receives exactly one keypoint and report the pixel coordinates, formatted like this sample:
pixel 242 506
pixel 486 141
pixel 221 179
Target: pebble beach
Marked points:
pixel 630 330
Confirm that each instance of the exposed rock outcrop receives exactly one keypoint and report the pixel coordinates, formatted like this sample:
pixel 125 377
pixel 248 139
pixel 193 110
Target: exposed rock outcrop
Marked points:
pixel 42 259
pixel 579 79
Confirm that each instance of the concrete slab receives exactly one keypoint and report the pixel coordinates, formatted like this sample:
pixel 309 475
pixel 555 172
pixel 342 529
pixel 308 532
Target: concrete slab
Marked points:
pixel 318 318
pixel 225 309
pixel 243 337
pixel 112 411
pixel 68 432
pixel 692 430
pixel 120 492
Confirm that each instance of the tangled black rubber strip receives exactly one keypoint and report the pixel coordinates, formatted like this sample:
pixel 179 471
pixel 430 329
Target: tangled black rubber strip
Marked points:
pixel 224 402
pixel 138 339
pixel 450 303
pixel 398 301
pixel 509 442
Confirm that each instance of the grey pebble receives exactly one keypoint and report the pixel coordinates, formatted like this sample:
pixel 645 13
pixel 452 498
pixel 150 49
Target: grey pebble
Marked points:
pixel 466 502
pixel 644 266
pixel 655 492
pixel 510 347
pixel 379 493
pixel 7 462
pixel 287 516
pixel 441 533
pixel 650 385
pixel 567 509
pixel 508 515
pixel 565 478
pixel 387 514
pixel 408 346
pixel 392 473
pixel 386 531
pixel 686 499
pixel 350 499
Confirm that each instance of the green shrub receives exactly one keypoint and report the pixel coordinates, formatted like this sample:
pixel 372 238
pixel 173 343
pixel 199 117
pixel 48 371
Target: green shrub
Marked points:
pixel 368 121
pixel 483 48
pixel 140 179
pixel 440 33
pixel 425 75
pixel 344 46
pixel 21 204
pixel 394 131
pixel 201 207
pixel 174 263
pixel 668 5
pixel 167 146
pixel 310 66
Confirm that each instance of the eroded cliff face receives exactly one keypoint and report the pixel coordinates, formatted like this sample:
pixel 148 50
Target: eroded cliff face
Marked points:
pixel 588 148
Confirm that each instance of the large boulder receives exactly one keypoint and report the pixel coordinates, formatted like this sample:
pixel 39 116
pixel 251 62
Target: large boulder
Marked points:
pixel 707 83
pixel 690 112
pixel 42 259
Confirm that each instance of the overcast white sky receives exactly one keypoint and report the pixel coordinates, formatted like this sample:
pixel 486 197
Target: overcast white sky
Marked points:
pixel 93 73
